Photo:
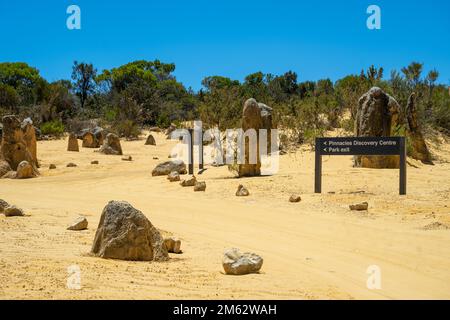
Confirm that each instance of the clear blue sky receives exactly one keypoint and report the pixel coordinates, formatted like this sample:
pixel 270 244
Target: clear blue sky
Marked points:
pixel 316 39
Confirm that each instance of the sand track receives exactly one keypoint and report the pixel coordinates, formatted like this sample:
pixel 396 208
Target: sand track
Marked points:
pixel 314 249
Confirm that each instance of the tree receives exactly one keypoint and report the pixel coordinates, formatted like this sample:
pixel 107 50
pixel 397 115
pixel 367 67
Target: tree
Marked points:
pixel 413 73
pixel 8 97
pixel 83 75
pixel 431 78
pixel 23 79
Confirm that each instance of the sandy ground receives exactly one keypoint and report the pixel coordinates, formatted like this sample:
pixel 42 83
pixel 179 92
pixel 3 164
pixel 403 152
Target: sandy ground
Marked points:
pixel 315 249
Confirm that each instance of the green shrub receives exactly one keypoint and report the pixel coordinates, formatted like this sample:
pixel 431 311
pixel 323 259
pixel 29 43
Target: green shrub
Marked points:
pixel 55 127
pixel 127 128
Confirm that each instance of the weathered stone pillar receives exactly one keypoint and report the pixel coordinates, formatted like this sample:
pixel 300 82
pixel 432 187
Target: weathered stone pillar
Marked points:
pixel 377 113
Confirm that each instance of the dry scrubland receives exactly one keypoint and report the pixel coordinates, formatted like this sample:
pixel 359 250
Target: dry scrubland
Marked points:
pixel 314 249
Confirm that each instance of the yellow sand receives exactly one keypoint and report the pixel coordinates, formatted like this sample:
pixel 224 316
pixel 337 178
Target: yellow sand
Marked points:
pixel 315 249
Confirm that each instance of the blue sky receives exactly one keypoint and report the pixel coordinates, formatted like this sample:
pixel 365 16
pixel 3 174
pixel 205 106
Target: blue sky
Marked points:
pixel 316 39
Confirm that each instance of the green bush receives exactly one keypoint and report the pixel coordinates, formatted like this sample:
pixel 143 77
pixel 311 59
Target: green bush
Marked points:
pixel 55 127
pixel 127 128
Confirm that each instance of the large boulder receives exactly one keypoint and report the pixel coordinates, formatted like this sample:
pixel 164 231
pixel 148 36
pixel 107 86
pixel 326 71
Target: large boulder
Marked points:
pixel 111 145
pixel 89 140
pixel 236 263
pixel 167 167
pixel 72 144
pixel 125 233
pixel 377 114
pixel 14 147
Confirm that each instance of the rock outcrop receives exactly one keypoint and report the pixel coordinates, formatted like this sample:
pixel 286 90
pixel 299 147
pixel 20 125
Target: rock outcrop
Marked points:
pixel 167 167
pixel 72 144
pixel 236 263
pixel 255 116
pixel 89 140
pixel 376 115
pixel 251 119
pixel 150 141
pixel 419 150
pixel 125 233
pixel 29 135
pixel 111 145
pixel 15 145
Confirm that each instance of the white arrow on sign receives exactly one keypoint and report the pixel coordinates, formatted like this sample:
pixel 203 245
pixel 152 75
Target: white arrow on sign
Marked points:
pixel 325 143
pixel 325 149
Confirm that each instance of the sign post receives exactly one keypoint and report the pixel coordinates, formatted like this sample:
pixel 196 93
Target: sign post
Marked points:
pixel 191 151
pixel 363 146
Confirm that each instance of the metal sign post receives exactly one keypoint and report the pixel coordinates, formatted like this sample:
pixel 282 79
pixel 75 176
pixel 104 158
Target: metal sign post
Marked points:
pixel 191 151
pixel 361 146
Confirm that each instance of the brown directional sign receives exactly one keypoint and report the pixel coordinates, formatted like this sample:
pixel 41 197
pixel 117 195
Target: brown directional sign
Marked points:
pixel 359 146
pixel 344 146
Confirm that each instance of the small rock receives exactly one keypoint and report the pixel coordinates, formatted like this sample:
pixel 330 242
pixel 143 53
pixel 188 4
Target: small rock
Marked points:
pixel 295 198
pixel 3 205
pixel 94 162
pixel 242 191
pixel 236 263
pixel 173 245
pixel 167 167
pixel 80 223
pixel 25 170
pixel 52 166
pixel 173 176
pixel 71 165
pixel 155 158
pixel 359 206
pixel 13 211
pixel 200 186
pixel 129 158
pixel 189 182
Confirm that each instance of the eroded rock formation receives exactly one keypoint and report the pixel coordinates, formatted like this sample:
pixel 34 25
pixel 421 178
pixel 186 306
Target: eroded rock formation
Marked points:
pixel 419 150
pixel 376 115
pixel 111 145
pixel 18 144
